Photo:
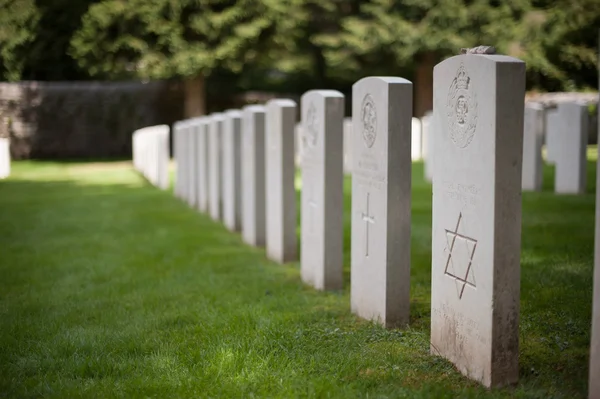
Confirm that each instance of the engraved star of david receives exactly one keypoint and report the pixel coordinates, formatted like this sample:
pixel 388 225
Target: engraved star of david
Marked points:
pixel 459 264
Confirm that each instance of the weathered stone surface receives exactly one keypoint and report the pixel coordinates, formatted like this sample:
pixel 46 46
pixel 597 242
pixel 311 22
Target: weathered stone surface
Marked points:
pixel 571 141
pixel 348 146
pixel 202 147
pixel 381 195
pixel 215 175
pixel 478 141
pixel 533 137
pixel 552 132
pixel 232 179
pixel 282 240
pixel 321 252
pixel 253 175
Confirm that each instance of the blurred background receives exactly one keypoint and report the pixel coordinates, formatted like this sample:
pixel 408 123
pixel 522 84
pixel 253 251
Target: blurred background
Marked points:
pixel 79 76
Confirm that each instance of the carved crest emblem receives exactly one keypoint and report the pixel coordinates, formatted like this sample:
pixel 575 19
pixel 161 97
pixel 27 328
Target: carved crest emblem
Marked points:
pixel 311 130
pixel 368 118
pixel 461 109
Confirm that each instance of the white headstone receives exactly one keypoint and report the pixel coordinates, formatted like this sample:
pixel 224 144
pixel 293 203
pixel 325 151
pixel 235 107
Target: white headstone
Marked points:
pixel 232 179
pixel 253 175
pixel 551 135
pixel 347 146
pixel 381 193
pixel 201 142
pixel 214 165
pixel 427 146
pixel 299 144
pixel 321 252
pixel 416 141
pixel 282 240
pixel 150 147
pixel 178 154
pixel 4 158
pixel 191 163
pixel 533 137
pixel 478 106
pixel 571 158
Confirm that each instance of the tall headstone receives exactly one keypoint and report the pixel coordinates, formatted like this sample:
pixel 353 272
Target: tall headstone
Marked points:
pixel 202 154
pixel 179 155
pixel 594 383
pixel 4 158
pixel 427 146
pixel 381 194
pixel 416 142
pixel 282 240
pixel 232 179
pixel 191 163
pixel 253 175
pixel 321 251
pixel 533 137
pixel 478 147
pixel 299 144
pixel 571 158
pixel 347 146
pixel 214 165
pixel 551 135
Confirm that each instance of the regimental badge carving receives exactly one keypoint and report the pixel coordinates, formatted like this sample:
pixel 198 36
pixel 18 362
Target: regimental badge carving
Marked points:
pixel 461 109
pixel 368 118
pixel 459 253
pixel 311 129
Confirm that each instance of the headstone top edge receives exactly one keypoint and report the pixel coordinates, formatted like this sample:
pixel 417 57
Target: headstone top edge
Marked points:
pixel 324 93
pixel 385 79
pixel 281 102
pixel 233 113
pixel 254 108
pixel 157 128
pixel 495 58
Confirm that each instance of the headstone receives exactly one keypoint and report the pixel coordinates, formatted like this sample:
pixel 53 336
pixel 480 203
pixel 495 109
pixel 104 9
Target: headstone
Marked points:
pixel 551 135
pixel 282 241
pixel 533 137
pixel 347 146
pixel 214 165
pixel 416 141
pixel 594 383
pixel 202 151
pixel 299 144
pixel 478 145
pixel 253 175
pixel 191 163
pixel 4 158
pixel 321 251
pixel 151 154
pixel 427 146
pixel 381 194
pixel 232 179
pixel 178 155
pixel 571 159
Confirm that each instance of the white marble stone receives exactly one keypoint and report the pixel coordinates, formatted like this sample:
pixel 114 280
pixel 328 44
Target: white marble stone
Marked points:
pixel 150 148
pixel 178 157
pixel 215 134
pixel 533 137
pixel 232 171
pixel 322 210
pixel 201 132
pixel 478 107
pixel 282 240
pixel 381 197
pixel 416 141
pixel 571 140
pixel 299 144
pixel 191 163
pixel 427 146
pixel 253 175
pixel 348 146
pixel 552 130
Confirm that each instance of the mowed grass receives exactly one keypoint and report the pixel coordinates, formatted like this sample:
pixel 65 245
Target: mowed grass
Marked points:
pixel 112 288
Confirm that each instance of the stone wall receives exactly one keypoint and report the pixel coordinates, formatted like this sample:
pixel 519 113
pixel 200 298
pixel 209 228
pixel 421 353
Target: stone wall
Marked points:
pixel 52 120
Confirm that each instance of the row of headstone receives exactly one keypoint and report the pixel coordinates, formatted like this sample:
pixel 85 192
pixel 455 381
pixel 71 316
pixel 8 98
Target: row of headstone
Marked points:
pixel 150 148
pixel 4 158
pixel 564 130
pixel 475 142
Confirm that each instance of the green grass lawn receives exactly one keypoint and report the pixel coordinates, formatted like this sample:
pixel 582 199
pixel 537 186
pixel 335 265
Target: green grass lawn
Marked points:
pixel 112 288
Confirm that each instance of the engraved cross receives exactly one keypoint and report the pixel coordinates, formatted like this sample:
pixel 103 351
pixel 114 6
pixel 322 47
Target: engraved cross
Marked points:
pixel 368 219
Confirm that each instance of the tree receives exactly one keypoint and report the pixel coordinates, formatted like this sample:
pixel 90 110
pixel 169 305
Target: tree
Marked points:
pixel 160 39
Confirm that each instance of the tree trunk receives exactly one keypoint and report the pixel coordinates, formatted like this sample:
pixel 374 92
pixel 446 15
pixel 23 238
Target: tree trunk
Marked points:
pixel 195 97
pixel 424 83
